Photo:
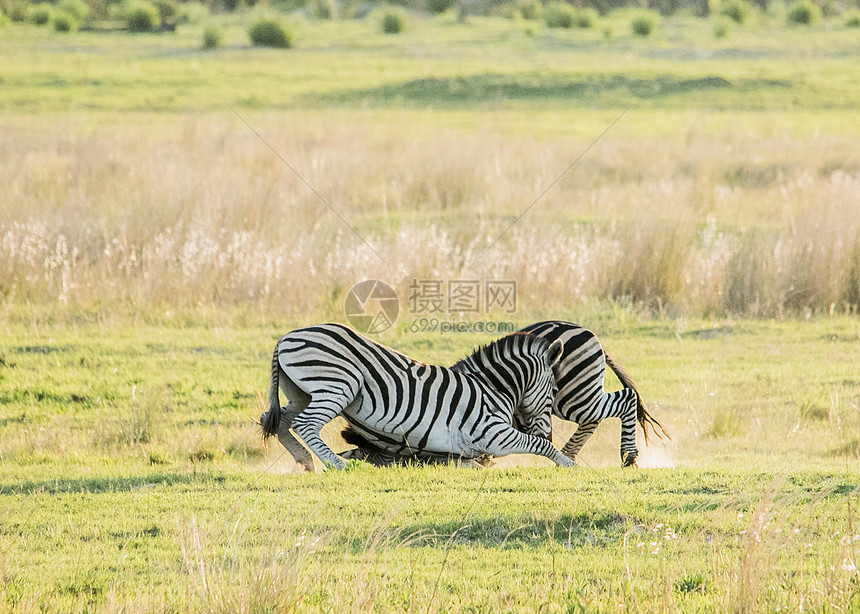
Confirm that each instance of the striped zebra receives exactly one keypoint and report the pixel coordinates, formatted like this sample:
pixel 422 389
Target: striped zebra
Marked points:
pixel 497 401
pixel 580 396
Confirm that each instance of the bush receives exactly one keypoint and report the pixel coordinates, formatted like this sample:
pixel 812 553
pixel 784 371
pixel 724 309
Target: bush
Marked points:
pixel 585 18
pixel 76 9
pixel 212 37
pixel 15 10
pixel 852 19
pixel 439 6
pixel 168 13
pixel 143 17
pixel 3 20
pixel 64 22
pixel 40 15
pixel 393 22
pixel 559 15
pixel 803 12
pixel 530 9
pixel 736 10
pixel 270 33
pixel 323 9
pixel 643 24
pixel 720 26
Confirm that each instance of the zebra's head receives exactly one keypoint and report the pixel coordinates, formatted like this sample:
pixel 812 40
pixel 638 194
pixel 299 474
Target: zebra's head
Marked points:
pixel 533 415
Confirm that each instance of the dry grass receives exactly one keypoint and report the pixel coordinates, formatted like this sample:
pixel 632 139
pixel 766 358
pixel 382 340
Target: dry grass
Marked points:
pixel 198 211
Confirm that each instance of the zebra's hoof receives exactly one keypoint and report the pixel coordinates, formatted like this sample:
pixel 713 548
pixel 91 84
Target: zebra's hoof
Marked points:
pixel 629 459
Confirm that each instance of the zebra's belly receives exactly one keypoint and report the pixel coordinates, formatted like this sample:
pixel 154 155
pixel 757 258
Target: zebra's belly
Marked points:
pixel 411 438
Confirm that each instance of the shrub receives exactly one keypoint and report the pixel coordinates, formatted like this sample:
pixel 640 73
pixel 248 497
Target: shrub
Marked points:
pixel 143 17
pixel 63 22
pixel 40 15
pixel 270 33
pixel 212 37
pixel 16 10
pixel 530 9
pixel 643 23
pixel 585 18
pixel 720 26
pixel 559 15
pixel 439 6
pixel 736 10
pixel 393 22
pixel 323 9
pixel 3 20
pixel 168 13
pixel 852 19
pixel 803 12
pixel 76 9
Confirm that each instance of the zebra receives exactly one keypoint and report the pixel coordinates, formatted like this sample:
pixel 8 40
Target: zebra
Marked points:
pixel 580 396
pixel 496 401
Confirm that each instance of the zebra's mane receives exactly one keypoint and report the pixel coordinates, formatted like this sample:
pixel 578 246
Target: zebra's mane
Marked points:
pixel 482 356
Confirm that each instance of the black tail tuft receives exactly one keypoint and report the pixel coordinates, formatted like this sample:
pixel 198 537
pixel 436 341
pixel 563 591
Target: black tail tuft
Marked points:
pixel 270 421
pixel 642 416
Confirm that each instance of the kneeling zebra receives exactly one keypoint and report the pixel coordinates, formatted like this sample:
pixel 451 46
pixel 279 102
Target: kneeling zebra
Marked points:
pixel 497 401
pixel 580 396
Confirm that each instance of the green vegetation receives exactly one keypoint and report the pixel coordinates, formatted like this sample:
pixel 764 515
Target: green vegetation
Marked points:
pixel 40 14
pixel 803 12
pixel 63 22
pixel 213 36
pixel 736 10
pixel 585 18
pixel 133 480
pixel 393 21
pixel 559 15
pixel 270 33
pixel 153 248
pixel 143 16
pixel 530 9
pixel 643 23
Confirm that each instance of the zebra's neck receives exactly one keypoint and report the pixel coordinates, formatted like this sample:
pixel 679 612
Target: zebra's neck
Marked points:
pixel 485 368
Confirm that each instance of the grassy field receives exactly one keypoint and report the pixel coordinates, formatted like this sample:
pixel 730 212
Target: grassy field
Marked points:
pixel 153 248
pixel 133 480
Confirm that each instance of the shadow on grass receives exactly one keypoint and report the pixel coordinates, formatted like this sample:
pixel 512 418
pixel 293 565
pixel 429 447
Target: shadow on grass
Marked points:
pixel 463 90
pixel 106 484
pixel 600 528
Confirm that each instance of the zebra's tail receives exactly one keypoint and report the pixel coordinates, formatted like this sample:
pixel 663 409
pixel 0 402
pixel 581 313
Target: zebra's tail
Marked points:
pixel 642 416
pixel 270 421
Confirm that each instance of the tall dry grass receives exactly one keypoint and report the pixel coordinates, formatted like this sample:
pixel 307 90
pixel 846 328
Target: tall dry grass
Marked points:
pixel 197 211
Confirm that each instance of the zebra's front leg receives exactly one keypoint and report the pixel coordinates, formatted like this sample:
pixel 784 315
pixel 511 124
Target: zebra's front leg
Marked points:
pixel 511 441
pixel 573 446
pixel 309 423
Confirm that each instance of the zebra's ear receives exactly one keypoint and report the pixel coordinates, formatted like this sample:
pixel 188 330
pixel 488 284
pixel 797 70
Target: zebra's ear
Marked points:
pixel 554 352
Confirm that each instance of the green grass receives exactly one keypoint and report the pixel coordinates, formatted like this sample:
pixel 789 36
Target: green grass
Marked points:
pixel 491 67
pixel 152 250
pixel 132 476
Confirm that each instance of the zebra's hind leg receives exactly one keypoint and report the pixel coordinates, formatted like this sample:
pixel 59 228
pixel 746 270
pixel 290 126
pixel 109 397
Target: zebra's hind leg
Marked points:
pixel 577 440
pixel 627 403
pixel 629 452
pixel 322 409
